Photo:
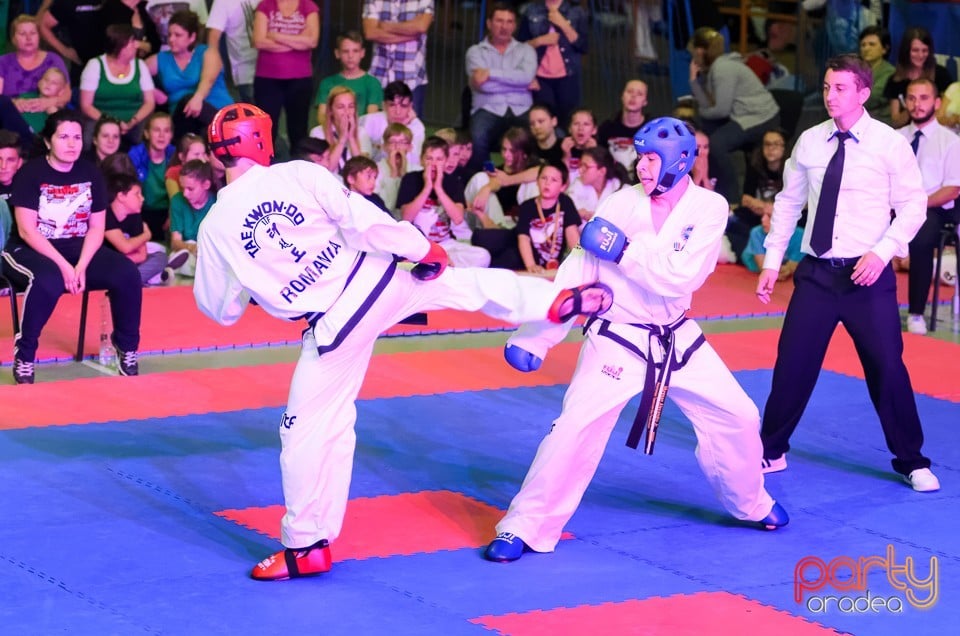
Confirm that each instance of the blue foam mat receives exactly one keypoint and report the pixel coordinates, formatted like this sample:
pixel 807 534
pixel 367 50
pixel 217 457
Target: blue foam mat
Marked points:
pixel 111 528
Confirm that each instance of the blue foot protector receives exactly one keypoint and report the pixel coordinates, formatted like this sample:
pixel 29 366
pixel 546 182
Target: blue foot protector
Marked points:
pixel 505 548
pixel 778 517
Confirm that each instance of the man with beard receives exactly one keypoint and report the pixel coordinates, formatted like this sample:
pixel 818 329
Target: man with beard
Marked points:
pixel 938 153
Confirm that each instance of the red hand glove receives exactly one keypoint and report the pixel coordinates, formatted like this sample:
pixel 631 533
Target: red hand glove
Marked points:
pixel 431 265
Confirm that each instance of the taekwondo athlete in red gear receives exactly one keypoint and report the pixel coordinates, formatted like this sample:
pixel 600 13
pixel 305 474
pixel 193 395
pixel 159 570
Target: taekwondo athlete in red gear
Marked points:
pixel 292 239
pixel 653 244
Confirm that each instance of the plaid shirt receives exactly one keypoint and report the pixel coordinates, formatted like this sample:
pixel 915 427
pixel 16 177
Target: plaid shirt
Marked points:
pixel 406 61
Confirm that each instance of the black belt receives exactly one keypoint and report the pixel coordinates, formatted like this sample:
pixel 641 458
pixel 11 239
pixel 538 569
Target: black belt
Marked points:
pixel 836 262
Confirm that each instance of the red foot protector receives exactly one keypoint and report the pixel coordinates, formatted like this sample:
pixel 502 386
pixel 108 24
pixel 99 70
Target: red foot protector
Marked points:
pixel 420 522
pixel 716 613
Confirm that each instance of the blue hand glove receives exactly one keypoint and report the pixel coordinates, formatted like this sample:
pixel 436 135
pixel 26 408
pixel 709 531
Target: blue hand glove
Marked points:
pixel 603 239
pixel 521 359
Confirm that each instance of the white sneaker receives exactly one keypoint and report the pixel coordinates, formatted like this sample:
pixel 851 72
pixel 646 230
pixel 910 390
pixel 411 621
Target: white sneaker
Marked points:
pixel 916 324
pixel 923 480
pixel 168 277
pixel 773 465
pixel 178 259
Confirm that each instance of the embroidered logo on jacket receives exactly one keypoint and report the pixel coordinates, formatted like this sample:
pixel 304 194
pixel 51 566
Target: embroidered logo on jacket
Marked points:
pixel 612 371
pixel 684 237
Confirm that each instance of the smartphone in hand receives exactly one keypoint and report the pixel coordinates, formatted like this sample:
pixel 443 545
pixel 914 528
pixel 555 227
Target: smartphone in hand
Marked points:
pixel 488 166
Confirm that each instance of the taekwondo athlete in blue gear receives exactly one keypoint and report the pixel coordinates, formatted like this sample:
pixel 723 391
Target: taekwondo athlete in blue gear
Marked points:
pixel 653 244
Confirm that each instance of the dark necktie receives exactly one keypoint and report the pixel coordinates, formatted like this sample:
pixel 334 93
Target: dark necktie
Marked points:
pixel 821 239
pixel 915 144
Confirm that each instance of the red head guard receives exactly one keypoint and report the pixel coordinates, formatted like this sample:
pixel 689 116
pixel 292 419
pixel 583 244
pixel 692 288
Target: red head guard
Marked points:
pixel 242 130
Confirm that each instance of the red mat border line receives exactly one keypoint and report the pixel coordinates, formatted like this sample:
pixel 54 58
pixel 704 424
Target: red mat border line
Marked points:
pixel 104 399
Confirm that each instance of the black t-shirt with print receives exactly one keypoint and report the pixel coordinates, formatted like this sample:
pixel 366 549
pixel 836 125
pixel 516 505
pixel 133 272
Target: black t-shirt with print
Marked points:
pixel 544 233
pixel 63 201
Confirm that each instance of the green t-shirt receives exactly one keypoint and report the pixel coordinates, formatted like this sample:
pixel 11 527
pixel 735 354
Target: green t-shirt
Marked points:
pixel 36 121
pixel 185 219
pixel 155 195
pixel 367 88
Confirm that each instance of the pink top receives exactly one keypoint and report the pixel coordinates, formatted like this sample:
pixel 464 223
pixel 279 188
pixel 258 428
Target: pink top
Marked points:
pixel 290 64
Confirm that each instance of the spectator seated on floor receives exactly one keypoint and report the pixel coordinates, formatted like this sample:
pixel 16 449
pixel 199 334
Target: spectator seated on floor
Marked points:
pixel 549 225
pixel 543 127
pixel 359 174
pixel 583 135
pixel 118 84
pixel 616 134
pixel 397 109
pixel 397 140
pixel 187 209
pixel 466 153
pixel 349 52
pixel 500 71
pixel 753 253
pixel 151 158
pixel 599 177
pixel 495 194
pixel 106 140
pixel 341 128
pixel 190 146
pixel 51 84
pixel 433 201
pixel 127 233
pixel 734 107
pixel 762 181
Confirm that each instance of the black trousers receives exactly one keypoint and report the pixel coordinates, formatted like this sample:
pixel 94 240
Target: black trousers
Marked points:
pixel 290 95
pixel 40 276
pixel 825 296
pixel 922 248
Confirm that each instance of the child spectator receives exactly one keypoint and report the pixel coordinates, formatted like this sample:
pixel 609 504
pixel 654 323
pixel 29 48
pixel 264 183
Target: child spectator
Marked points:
pixel 433 201
pixel 360 176
pixel 599 177
pixel 549 224
pixel 449 135
pixel 10 161
pixel 700 172
pixel 187 209
pixel 350 52
pixel 583 135
pixel 616 134
pixel 543 127
pixel 397 140
pixel 190 146
pixel 126 232
pixel 762 181
pixel 313 150
pixel 341 128
pixel 51 84
pixel 398 109
pixel 106 139
pixel 151 159
pixel 465 141
pixel 513 183
pixel 753 253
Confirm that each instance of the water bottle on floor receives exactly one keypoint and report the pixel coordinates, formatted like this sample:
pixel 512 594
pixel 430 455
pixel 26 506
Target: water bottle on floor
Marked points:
pixel 108 355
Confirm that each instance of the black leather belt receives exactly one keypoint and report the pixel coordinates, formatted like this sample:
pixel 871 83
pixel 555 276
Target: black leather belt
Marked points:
pixel 837 263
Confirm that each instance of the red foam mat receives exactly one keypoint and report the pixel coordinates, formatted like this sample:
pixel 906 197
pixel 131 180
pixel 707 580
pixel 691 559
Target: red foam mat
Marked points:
pixel 427 522
pixel 934 366
pixel 715 613
pixel 172 323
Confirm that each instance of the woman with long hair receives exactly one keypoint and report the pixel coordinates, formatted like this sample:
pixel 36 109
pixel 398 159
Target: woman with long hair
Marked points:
pixel 340 128
pixel 599 176
pixel 915 59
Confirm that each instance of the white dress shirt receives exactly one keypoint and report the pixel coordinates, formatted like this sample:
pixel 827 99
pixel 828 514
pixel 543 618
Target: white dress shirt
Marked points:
pixel 880 174
pixel 938 155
